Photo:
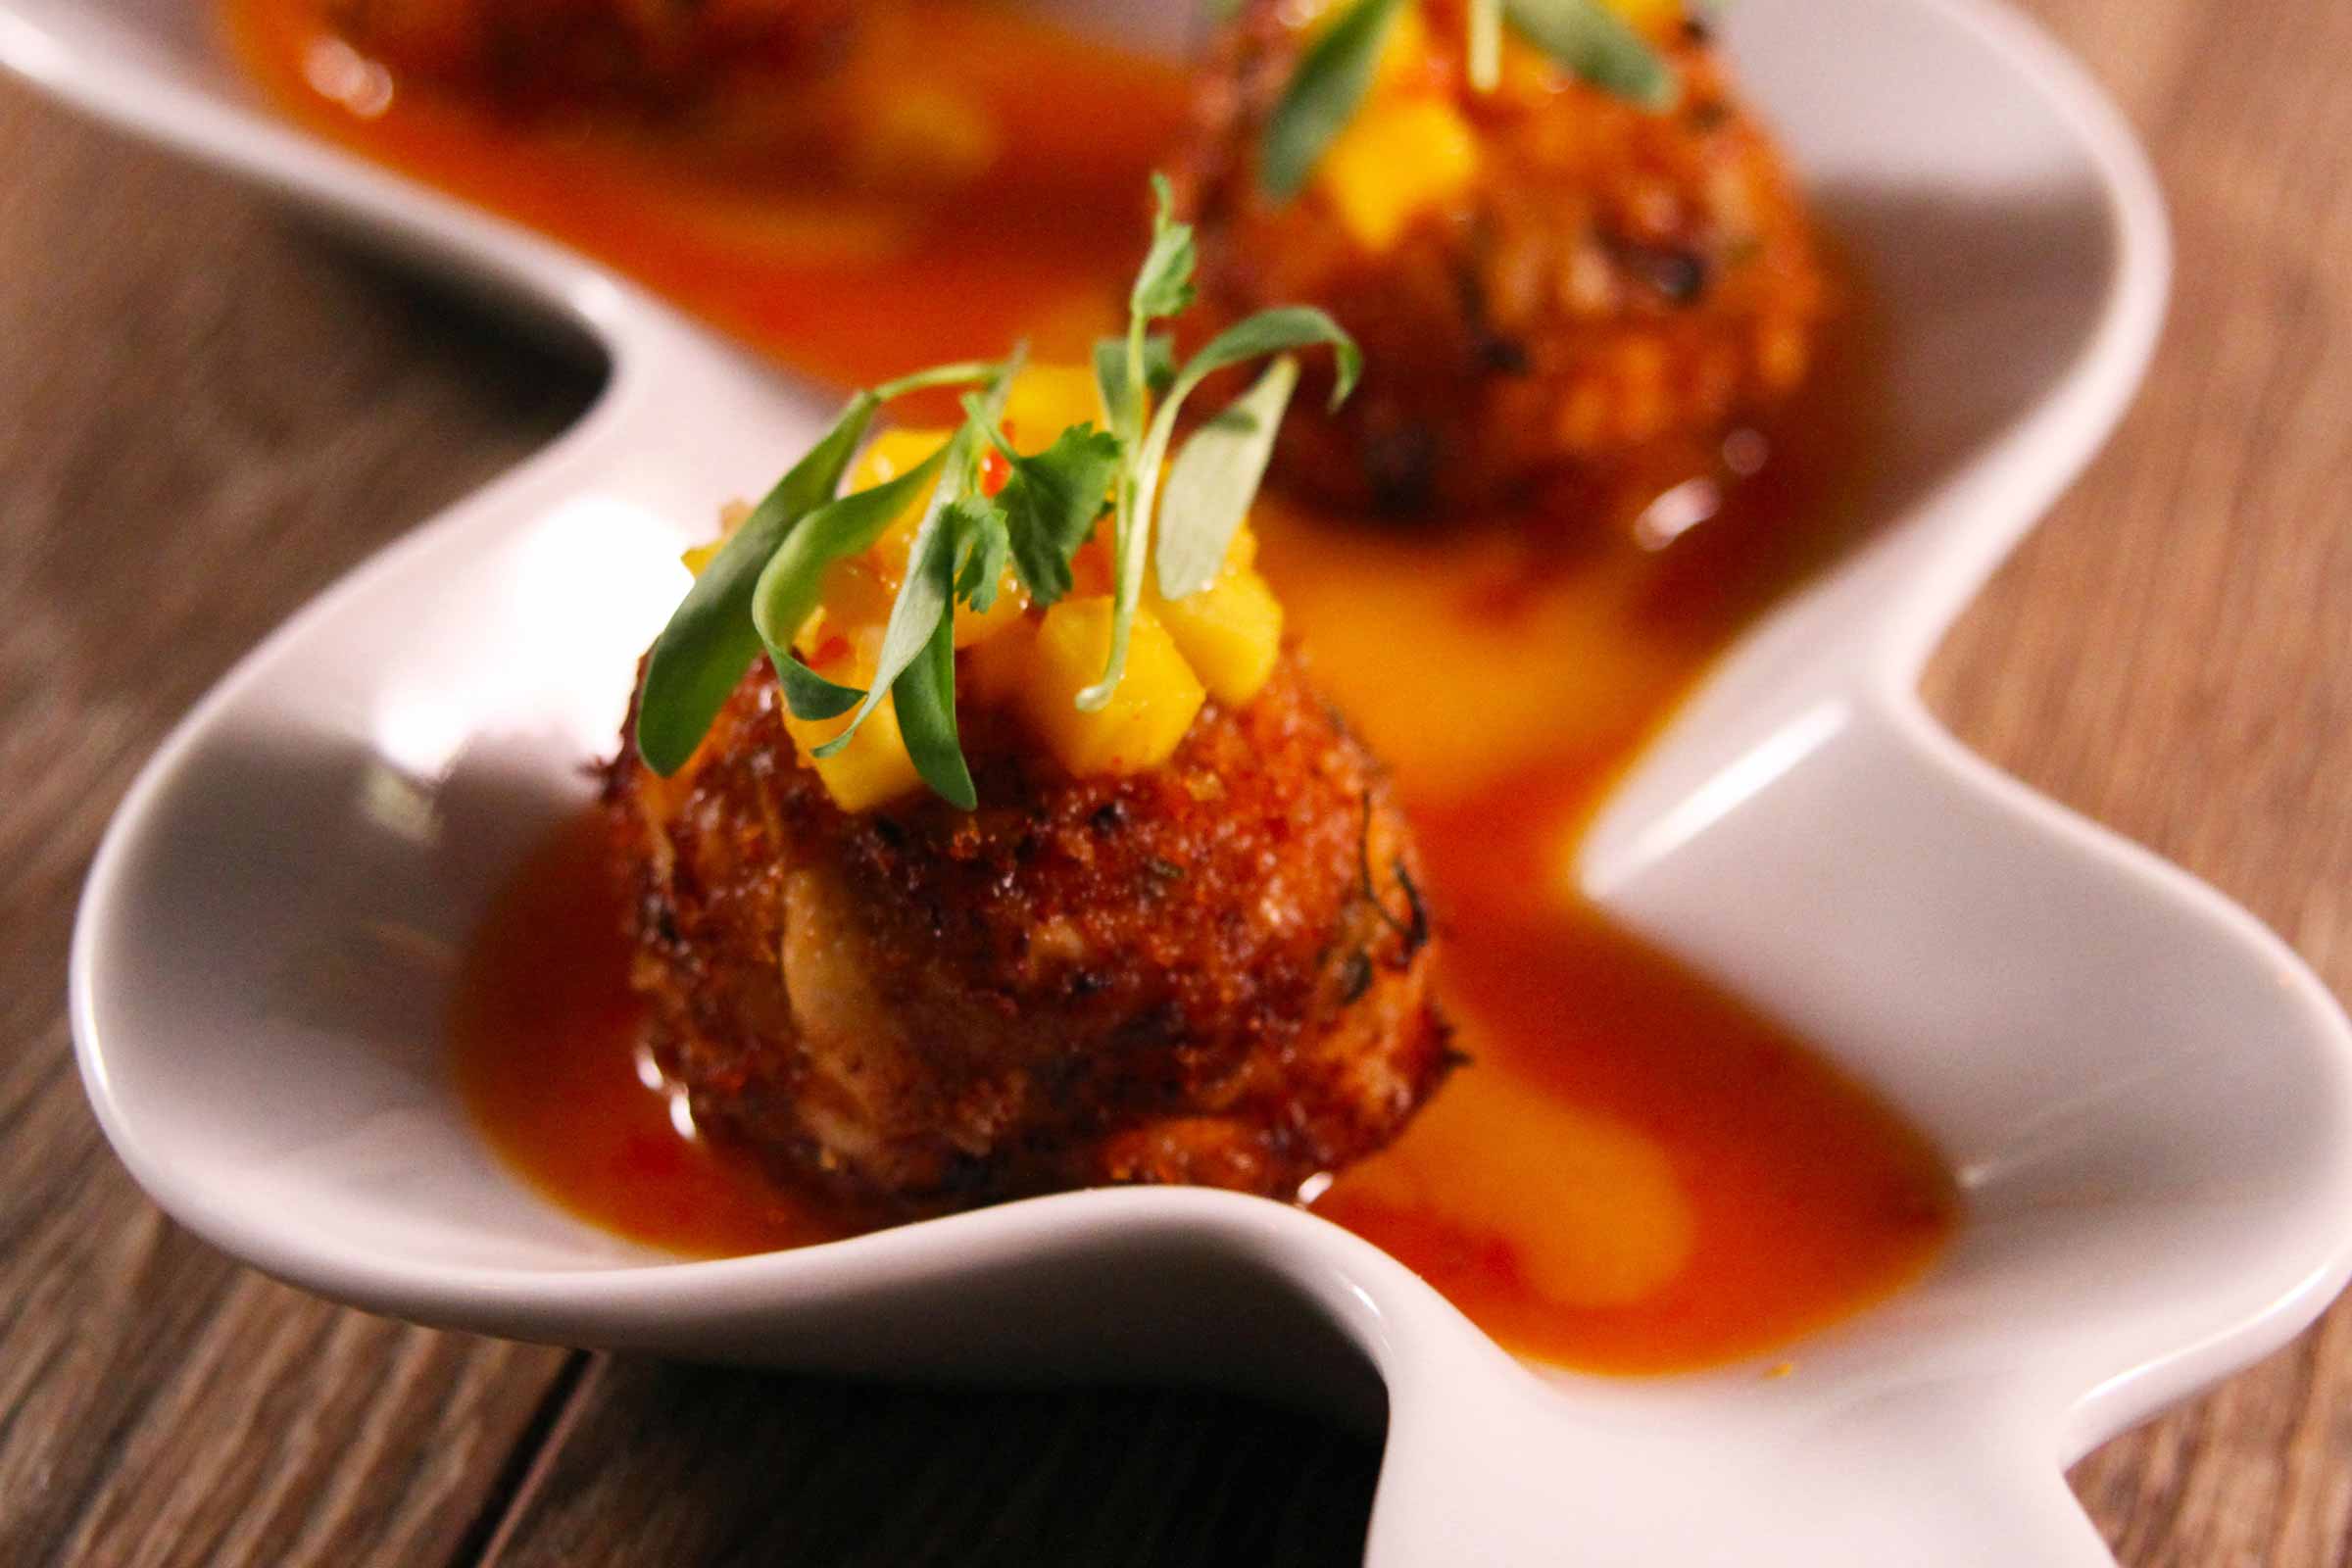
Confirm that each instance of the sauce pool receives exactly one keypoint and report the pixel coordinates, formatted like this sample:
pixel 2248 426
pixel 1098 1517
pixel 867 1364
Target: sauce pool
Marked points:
pixel 1636 1173
pixel 852 281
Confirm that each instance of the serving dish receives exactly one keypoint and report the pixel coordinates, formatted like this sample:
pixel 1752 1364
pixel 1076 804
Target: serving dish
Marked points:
pixel 2146 1098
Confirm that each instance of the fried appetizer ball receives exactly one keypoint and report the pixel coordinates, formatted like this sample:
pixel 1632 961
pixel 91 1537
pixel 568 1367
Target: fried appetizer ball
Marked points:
pixel 1180 938
pixel 1214 972
pixel 1551 282
pixel 530 54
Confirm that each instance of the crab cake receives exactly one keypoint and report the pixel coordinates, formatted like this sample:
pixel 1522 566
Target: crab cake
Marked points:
pixel 1553 284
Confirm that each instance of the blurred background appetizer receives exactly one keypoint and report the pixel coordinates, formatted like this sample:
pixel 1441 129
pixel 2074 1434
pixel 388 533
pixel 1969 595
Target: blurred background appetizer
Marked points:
pixel 1027 857
pixel 819 91
pixel 1573 255
pixel 535 53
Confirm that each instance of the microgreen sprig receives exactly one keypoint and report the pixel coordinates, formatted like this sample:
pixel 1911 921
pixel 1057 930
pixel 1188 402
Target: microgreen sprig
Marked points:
pixel 1338 66
pixel 701 653
pixel 1210 516
pixel 759 590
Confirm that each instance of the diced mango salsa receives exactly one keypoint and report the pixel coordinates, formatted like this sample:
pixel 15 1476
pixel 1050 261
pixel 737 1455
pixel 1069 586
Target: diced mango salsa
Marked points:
pixel 1223 640
pixel 1406 51
pixel 731 517
pixel 887 561
pixel 1241 553
pixel 1656 18
pixel 1145 719
pixel 892 452
pixel 873 769
pixel 1398 158
pixel 1047 399
pixel 864 585
pixel 1230 633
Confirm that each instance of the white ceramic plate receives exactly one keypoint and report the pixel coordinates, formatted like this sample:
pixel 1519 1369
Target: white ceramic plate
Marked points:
pixel 2148 1099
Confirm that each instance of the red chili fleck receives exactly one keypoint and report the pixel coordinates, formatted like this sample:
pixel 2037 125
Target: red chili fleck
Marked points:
pixel 994 471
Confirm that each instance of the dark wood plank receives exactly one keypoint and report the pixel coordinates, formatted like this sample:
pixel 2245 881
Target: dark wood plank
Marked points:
pixel 682 1465
pixel 204 417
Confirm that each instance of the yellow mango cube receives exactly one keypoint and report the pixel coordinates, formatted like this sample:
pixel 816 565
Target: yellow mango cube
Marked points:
pixel 888 559
pixel 1400 157
pixel 1656 18
pixel 1147 717
pixel 1047 399
pixel 892 452
pixel 731 517
pixel 1230 632
pixel 1406 51
pixel 872 770
pixel 863 586
pixel 1241 553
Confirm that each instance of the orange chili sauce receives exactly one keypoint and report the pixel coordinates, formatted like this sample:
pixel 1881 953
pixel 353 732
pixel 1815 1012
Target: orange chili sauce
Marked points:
pixel 1635 1173
pixel 836 279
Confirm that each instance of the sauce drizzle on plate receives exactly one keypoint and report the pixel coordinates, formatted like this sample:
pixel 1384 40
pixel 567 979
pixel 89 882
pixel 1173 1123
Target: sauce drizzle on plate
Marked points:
pixel 1637 1173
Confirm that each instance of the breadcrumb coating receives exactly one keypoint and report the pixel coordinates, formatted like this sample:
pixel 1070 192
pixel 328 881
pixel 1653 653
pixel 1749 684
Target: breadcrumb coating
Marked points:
pixel 1216 972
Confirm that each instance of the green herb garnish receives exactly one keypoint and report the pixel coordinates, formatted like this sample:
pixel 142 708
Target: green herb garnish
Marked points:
pixel 1598 44
pixel 1212 479
pixel 1335 73
pixel 1335 70
pixel 701 653
pixel 1052 503
pixel 760 587
pixel 923 613
pixel 1143 432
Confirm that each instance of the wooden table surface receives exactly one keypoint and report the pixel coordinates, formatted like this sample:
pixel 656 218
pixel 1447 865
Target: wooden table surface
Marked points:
pixel 207 413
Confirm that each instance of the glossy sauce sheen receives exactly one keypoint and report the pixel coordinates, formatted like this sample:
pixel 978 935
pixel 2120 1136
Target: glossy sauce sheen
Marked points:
pixel 1635 1173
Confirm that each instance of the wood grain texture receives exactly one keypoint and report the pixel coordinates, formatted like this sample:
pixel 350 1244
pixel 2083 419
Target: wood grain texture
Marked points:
pixel 225 413
pixel 676 1464
pixel 2171 653
pixel 204 417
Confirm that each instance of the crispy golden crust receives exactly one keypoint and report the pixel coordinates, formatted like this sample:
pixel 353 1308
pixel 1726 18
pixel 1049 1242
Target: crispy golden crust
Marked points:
pixel 1614 290
pixel 540 54
pixel 1216 972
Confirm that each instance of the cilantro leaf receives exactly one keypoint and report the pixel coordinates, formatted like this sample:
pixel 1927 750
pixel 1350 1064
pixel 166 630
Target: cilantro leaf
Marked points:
pixel 1051 500
pixel 715 632
pixel 976 525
